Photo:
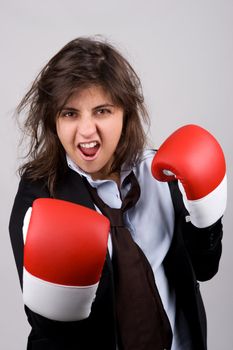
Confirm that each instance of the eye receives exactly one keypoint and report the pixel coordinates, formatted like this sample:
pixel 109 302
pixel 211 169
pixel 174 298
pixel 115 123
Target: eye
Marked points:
pixel 103 111
pixel 68 114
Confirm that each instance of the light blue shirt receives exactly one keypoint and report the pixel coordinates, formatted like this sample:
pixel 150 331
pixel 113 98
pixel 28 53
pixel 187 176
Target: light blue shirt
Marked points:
pixel 151 223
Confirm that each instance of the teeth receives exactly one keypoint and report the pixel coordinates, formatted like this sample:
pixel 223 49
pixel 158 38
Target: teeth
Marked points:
pixel 88 145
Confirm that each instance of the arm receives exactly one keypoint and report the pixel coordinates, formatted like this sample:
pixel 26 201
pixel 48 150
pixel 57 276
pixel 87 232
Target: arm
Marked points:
pixel 61 262
pixel 204 245
pixel 193 157
pixel 205 249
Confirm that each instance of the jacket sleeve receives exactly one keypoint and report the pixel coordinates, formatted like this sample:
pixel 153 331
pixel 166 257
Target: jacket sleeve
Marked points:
pixel 26 194
pixel 204 246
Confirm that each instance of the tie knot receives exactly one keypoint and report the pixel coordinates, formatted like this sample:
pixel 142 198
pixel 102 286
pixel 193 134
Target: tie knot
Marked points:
pixel 115 216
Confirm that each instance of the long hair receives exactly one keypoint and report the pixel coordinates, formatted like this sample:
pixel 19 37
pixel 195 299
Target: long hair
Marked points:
pixel 79 64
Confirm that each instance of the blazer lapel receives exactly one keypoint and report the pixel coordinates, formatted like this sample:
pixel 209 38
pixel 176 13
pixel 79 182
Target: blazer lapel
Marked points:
pixel 71 188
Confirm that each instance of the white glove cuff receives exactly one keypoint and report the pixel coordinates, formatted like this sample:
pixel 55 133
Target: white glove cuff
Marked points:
pixel 57 302
pixel 207 210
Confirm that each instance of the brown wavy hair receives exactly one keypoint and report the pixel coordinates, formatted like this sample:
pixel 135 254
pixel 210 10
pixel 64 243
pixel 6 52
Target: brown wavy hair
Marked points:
pixel 79 64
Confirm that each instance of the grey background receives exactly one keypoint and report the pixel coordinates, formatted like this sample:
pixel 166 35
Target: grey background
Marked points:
pixel 183 52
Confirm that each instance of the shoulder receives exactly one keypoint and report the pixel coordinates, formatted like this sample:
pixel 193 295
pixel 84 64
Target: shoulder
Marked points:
pixel 27 192
pixel 31 189
pixel 143 165
pixel 168 189
pixel 148 154
pixel 146 180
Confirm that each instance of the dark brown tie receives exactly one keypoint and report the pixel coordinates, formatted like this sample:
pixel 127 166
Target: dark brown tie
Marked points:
pixel 142 320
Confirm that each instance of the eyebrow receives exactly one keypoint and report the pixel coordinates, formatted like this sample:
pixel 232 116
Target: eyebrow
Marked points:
pixel 67 108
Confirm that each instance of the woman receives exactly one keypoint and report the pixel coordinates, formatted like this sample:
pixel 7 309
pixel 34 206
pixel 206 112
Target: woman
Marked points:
pixel 85 120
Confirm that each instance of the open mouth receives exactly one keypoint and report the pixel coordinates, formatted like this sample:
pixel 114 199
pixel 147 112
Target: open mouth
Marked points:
pixel 89 149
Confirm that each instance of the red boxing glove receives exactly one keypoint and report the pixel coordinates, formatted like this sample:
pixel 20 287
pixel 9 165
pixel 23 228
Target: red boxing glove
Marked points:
pixel 64 253
pixel 194 157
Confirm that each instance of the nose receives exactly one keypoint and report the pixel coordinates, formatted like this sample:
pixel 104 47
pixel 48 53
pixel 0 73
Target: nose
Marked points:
pixel 86 127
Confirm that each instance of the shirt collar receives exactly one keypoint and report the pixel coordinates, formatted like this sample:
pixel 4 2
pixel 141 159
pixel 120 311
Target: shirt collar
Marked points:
pixel 95 183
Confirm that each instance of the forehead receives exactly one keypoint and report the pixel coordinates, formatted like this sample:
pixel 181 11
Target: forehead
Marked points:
pixel 91 95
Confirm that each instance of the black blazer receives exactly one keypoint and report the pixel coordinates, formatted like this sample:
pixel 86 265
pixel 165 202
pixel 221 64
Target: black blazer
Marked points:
pixel 194 255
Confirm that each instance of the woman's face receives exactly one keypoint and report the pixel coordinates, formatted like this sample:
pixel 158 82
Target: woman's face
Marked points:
pixel 89 128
